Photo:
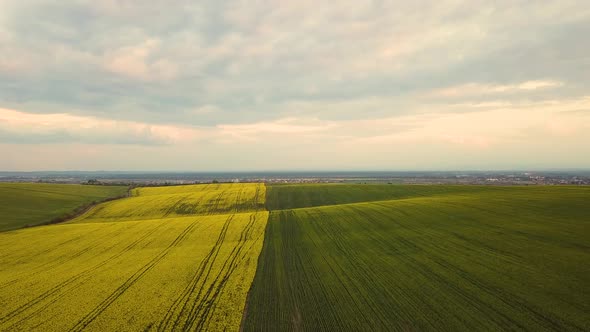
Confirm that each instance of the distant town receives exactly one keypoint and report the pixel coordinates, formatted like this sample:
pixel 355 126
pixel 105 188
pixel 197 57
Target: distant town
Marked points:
pixel 560 177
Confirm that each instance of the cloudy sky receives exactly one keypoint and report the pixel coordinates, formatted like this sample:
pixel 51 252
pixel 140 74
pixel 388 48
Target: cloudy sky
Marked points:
pixel 294 85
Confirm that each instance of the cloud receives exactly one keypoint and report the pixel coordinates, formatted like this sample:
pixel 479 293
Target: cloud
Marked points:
pixel 475 89
pixel 275 130
pixel 299 75
pixel 20 127
pixel 134 62
pixel 443 138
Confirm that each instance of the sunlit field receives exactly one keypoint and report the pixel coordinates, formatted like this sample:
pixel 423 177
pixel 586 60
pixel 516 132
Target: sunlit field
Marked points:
pixel 180 258
pixel 328 257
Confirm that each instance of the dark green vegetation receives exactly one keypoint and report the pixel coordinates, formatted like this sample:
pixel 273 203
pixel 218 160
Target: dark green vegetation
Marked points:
pixel 281 197
pixel 28 204
pixel 424 258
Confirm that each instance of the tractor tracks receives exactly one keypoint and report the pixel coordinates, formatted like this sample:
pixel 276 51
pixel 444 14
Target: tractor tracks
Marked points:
pixel 197 302
pixel 81 277
pixel 92 315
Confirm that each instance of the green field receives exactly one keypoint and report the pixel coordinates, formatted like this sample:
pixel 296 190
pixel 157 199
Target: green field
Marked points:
pixel 28 204
pixel 413 258
pixel 330 257
pixel 171 258
pixel 293 196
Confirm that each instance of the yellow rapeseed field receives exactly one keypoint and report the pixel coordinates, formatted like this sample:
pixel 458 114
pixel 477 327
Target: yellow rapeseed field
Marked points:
pixel 180 201
pixel 168 258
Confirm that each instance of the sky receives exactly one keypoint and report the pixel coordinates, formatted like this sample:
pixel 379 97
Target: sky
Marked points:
pixel 294 85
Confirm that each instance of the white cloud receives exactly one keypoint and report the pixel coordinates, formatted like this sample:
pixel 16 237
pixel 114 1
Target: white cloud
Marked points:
pixel 496 126
pixel 49 128
pixel 534 85
pixel 442 138
pixel 475 89
pixel 135 62
pixel 302 79
pixel 278 130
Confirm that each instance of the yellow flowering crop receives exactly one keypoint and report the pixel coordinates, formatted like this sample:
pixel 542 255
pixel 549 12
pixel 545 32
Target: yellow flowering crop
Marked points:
pixel 168 258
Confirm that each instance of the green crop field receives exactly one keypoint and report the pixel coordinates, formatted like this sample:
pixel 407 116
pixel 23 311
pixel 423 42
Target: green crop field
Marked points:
pixel 414 258
pixel 172 258
pixel 28 204
pixel 329 257
pixel 292 196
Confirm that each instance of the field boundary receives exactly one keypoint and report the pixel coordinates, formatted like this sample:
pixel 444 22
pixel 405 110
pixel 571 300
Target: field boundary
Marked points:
pixel 77 212
pixel 378 201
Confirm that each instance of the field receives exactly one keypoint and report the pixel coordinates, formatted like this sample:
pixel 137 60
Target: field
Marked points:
pixel 414 258
pixel 171 258
pixel 281 197
pixel 27 204
pixel 329 257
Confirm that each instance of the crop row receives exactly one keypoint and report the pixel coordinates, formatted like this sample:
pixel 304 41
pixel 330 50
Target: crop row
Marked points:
pixel 29 204
pixel 190 272
pixel 180 201
pixel 502 259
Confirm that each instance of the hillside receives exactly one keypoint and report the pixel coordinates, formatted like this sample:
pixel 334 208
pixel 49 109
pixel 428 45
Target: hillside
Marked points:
pixel 29 204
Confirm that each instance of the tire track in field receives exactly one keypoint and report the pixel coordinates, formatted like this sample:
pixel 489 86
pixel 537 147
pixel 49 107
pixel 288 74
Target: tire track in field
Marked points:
pixel 211 205
pixel 216 208
pixel 202 276
pixel 205 307
pixel 179 306
pixel 55 299
pixel 57 261
pixel 205 265
pixel 82 274
pixel 47 250
pixel 92 315
pixel 57 288
pixel 81 281
pixel 210 292
pixel 256 197
pixel 172 208
pixel 202 309
pixel 43 252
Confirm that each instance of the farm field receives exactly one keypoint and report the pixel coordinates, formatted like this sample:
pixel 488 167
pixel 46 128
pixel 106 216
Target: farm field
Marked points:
pixel 169 258
pixel 333 257
pixel 414 258
pixel 28 204
pixel 180 201
pixel 290 196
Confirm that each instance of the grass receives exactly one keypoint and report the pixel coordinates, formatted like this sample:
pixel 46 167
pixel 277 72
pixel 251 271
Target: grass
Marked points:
pixel 413 258
pixel 137 263
pixel 29 204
